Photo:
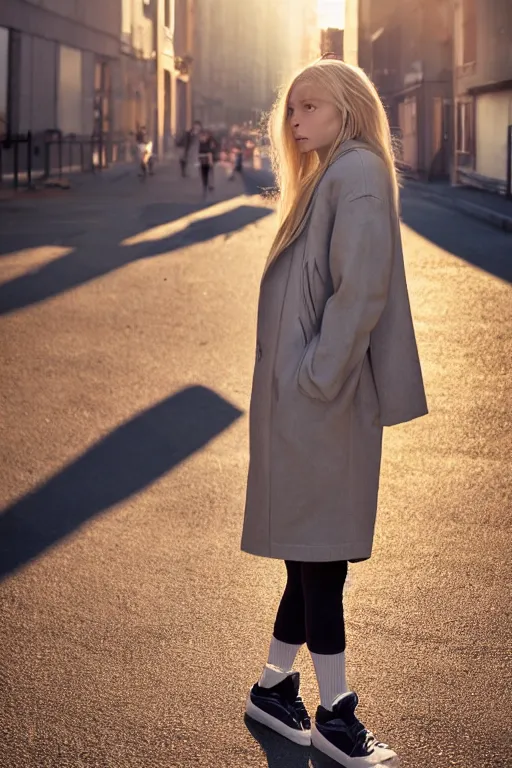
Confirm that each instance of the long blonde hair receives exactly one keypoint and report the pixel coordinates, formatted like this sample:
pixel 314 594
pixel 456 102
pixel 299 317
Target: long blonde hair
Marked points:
pixel 363 118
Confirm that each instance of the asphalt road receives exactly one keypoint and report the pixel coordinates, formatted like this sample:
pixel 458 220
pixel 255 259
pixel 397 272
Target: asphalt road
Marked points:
pixel 131 626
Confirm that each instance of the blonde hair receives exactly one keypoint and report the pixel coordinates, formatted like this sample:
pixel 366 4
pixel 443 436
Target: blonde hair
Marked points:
pixel 362 117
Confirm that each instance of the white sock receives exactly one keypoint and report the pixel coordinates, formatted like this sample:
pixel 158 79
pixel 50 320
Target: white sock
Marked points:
pixel 281 657
pixel 330 673
pixel 282 654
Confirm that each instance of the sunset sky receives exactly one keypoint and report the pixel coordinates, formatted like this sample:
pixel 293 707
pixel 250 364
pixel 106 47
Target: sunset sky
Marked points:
pixel 331 13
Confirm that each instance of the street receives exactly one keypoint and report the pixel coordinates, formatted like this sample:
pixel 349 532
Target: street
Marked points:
pixel 131 625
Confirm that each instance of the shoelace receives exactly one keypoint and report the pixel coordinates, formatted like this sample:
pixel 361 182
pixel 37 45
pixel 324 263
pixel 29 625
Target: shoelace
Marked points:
pixel 366 739
pixel 301 710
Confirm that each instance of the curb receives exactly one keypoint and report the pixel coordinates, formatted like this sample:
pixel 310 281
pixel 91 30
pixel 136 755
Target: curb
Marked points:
pixel 493 218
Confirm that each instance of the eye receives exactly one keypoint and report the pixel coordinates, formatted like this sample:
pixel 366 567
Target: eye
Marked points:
pixel 309 107
pixel 289 112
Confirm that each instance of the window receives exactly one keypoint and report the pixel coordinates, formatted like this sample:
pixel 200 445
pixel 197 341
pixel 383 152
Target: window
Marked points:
pixel 465 127
pixel 4 80
pixel 468 31
pixel 70 90
pixel 167 19
pixel 102 97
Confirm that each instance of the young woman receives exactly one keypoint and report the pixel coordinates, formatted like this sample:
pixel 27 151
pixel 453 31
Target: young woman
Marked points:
pixel 336 361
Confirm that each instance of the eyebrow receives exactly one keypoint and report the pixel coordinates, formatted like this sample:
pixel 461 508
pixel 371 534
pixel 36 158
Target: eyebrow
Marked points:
pixel 304 101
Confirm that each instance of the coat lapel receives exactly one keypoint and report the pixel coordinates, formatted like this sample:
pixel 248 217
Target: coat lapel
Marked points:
pixel 346 146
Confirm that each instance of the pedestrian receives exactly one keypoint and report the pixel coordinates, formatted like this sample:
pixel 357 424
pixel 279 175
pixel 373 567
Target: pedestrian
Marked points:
pixel 336 361
pixel 237 161
pixel 215 150
pixel 205 157
pixel 187 142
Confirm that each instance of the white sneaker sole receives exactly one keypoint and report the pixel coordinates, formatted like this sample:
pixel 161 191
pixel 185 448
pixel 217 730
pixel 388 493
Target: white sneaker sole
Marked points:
pixel 378 757
pixel 298 737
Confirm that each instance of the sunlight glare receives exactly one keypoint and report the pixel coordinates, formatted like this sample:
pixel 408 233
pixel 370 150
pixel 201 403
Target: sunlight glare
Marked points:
pixel 331 13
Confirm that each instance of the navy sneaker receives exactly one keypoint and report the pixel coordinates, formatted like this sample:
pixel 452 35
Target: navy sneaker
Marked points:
pixel 282 709
pixel 344 738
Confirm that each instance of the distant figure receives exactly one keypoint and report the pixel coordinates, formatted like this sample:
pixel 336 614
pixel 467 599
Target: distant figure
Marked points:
pixel 187 143
pixel 144 151
pixel 215 150
pixel 205 157
pixel 237 162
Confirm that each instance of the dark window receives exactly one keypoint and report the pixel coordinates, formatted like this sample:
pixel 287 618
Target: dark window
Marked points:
pixel 146 8
pixel 167 20
pixel 465 127
pixel 4 80
pixel 468 31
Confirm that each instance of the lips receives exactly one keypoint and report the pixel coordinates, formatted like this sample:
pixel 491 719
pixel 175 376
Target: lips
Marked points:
pixel 301 138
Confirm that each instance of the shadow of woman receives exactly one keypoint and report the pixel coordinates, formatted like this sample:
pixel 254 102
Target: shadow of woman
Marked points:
pixel 280 752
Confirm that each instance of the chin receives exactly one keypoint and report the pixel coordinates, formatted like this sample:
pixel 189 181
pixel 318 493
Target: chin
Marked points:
pixel 305 147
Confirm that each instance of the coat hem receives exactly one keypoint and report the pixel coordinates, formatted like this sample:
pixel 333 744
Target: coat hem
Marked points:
pixel 311 553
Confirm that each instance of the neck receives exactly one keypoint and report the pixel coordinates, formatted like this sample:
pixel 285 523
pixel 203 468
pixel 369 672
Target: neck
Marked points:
pixel 323 153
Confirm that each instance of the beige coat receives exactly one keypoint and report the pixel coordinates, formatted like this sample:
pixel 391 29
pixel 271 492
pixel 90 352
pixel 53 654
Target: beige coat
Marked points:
pixel 336 361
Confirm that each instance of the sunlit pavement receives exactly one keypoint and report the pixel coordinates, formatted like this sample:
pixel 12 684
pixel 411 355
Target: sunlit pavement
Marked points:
pixel 131 626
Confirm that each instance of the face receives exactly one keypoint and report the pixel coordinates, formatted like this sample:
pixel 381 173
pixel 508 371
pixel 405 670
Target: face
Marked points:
pixel 196 128
pixel 313 118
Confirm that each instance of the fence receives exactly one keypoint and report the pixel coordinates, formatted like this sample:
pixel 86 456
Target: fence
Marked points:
pixel 26 157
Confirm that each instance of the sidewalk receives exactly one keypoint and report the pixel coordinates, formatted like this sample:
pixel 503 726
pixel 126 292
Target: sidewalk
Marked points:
pixel 495 210
pixel 77 179
pixel 122 181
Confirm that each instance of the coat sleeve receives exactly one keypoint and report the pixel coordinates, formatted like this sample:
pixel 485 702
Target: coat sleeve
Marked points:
pixel 360 259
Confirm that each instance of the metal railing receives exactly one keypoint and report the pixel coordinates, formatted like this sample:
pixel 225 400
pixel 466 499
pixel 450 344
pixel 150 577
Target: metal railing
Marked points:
pixel 10 147
pixel 26 157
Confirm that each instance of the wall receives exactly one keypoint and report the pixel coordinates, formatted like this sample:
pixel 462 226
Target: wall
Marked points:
pixel 54 47
pixel 493 116
pixel 494 46
pixel 244 51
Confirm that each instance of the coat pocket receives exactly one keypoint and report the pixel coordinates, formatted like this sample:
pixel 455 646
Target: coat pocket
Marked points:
pixel 304 334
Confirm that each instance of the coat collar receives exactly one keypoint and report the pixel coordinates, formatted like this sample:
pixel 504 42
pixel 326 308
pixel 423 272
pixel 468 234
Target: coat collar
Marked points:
pixel 347 146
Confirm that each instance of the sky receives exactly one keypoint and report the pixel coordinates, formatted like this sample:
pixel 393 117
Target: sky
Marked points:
pixel 331 13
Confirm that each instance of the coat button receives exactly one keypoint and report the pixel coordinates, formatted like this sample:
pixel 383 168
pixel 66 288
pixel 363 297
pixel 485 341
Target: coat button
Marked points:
pixel 259 353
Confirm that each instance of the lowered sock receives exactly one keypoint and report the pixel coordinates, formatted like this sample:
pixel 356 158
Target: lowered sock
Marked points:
pixel 281 657
pixel 330 673
pixel 282 654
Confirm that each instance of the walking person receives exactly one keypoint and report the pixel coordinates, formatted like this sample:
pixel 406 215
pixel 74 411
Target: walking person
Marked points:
pixel 215 150
pixel 205 157
pixel 336 361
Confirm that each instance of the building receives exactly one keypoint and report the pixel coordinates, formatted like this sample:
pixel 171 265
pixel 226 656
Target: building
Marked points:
pixel 59 65
pixel 91 72
pixel 174 25
pixel 406 48
pixel 483 87
pixel 245 51
pixel 331 41
pixel 137 95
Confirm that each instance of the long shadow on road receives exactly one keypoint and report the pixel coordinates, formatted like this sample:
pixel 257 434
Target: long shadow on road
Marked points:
pixel 88 263
pixel 281 753
pixel 475 242
pixel 129 459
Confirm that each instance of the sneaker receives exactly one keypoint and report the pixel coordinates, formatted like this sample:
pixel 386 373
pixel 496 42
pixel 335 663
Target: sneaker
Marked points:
pixel 282 709
pixel 344 738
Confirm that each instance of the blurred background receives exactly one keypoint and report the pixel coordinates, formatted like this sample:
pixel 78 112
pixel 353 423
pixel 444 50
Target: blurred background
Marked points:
pixel 94 71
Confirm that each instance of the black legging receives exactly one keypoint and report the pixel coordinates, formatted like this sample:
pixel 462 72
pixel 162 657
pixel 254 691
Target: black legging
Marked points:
pixel 311 609
pixel 205 174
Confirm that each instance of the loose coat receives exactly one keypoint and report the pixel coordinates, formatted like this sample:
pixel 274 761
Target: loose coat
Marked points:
pixel 336 361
